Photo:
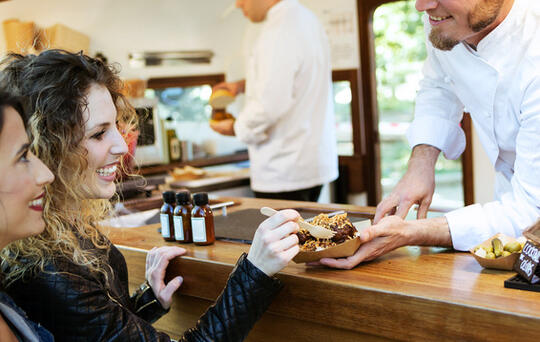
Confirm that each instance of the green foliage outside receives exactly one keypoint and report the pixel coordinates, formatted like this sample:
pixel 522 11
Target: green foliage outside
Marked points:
pixel 400 51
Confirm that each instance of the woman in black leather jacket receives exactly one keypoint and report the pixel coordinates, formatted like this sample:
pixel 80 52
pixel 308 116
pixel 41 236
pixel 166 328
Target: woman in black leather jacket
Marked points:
pixel 71 278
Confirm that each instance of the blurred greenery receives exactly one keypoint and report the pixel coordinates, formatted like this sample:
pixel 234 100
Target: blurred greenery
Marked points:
pixel 342 108
pixel 399 52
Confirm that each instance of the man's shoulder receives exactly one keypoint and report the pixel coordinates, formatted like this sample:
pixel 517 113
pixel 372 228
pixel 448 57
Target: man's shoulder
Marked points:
pixel 295 17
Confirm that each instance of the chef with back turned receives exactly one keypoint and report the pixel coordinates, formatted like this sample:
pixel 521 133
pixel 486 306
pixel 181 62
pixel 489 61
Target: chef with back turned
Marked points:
pixel 287 120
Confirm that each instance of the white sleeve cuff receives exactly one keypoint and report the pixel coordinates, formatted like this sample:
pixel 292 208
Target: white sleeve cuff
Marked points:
pixel 247 135
pixel 468 227
pixel 438 132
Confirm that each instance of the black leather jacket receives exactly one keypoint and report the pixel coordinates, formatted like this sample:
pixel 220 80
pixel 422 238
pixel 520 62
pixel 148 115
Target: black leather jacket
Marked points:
pixel 23 329
pixel 75 305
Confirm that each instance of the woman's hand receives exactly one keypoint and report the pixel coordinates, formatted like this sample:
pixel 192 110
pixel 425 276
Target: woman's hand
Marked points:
pixel 275 242
pixel 157 261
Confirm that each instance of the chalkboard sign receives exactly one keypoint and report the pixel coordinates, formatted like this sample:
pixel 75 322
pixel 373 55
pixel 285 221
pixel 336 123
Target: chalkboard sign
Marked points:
pixel 527 263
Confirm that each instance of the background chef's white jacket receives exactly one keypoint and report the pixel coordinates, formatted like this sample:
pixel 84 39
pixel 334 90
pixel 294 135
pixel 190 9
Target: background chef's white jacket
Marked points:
pixel 499 85
pixel 288 118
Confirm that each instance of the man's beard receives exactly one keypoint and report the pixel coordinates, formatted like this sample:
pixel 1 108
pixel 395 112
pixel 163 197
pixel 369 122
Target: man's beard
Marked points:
pixel 483 15
pixel 440 41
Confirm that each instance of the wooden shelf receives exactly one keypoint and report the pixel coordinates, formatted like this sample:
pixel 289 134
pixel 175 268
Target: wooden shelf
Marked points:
pixel 157 169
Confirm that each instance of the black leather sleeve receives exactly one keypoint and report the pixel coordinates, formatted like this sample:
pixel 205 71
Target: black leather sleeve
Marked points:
pixel 246 296
pixel 76 307
pixel 146 305
pixel 70 302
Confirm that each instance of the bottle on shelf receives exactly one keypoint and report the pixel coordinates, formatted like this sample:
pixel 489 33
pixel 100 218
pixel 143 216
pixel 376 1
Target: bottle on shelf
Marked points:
pixel 166 215
pixel 182 217
pixel 175 150
pixel 202 220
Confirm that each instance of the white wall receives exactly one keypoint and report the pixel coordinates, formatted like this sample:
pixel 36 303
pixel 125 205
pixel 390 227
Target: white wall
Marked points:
pixel 117 27
pixel 120 26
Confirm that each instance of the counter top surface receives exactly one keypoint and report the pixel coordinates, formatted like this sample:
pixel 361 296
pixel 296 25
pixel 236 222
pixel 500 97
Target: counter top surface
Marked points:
pixel 427 283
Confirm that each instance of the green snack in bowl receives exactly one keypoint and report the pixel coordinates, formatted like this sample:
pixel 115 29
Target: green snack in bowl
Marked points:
pixel 490 255
pixel 512 247
pixel 497 247
pixel 506 253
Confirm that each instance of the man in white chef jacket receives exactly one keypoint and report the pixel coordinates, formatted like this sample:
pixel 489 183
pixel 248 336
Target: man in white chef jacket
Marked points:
pixel 288 118
pixel 484 58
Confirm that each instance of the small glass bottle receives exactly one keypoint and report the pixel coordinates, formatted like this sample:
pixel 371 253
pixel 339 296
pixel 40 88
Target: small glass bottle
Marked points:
pixel 202 220
pixel 182 217
pixel 166 216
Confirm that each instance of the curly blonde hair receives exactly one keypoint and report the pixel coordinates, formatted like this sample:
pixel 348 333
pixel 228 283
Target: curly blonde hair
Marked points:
pixel 54 85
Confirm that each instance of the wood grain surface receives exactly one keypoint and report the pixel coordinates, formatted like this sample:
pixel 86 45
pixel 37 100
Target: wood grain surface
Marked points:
pixel 411 294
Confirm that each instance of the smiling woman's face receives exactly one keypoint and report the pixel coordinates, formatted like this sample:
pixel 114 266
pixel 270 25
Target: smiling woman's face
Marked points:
pixel 103 142
pixel 22 182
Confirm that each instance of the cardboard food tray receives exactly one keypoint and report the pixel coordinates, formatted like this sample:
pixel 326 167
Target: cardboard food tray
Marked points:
pixel 342 250
pixel 501 263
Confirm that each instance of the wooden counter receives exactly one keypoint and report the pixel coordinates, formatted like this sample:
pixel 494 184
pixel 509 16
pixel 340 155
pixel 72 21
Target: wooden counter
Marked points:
pixel 411 294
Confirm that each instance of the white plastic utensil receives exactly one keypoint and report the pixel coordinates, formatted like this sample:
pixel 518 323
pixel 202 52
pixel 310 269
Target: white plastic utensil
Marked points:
pixel 316 231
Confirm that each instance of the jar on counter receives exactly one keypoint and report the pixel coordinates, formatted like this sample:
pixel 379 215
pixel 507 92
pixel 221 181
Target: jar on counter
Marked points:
pixel 166 215
pixel 182 217
pixel 202 220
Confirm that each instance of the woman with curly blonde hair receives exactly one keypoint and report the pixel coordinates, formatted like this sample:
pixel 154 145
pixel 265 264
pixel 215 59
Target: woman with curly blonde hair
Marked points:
pixel 71 278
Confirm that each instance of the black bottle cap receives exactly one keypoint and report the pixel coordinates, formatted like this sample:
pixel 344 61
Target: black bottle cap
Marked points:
pixel 200 198
pixel 168 197
pixel 183 197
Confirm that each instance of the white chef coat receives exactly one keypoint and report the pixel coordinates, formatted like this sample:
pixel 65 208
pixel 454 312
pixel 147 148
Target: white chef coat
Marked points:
pixel 288 119
pixel 499 85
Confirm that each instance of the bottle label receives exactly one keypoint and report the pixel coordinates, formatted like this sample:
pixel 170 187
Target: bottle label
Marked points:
pixel 178 228
pixel 165 229
pixel 198 225
pixel 174 146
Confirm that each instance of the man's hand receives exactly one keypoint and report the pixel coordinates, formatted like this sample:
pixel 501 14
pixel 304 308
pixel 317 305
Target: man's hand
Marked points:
pixel 223 127
pixel 393 232
pixel 377 240
pixel 157 261
pixel 275 242
pixel 234 88
pixel 416 186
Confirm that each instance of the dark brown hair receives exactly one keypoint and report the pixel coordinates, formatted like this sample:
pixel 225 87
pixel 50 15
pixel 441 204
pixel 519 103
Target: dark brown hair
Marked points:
pixel 8 100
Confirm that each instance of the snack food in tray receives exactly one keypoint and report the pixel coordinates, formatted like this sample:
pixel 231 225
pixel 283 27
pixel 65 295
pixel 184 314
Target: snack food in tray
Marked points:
pixel 221 98
pixel 344 243
pixel 499 251
pixel 220 115
pixel 186 173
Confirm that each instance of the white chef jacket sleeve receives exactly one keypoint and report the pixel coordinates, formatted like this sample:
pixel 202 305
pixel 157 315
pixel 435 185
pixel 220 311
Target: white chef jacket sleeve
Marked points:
pixel 273 91
pixel 438 111
pixel 515 210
